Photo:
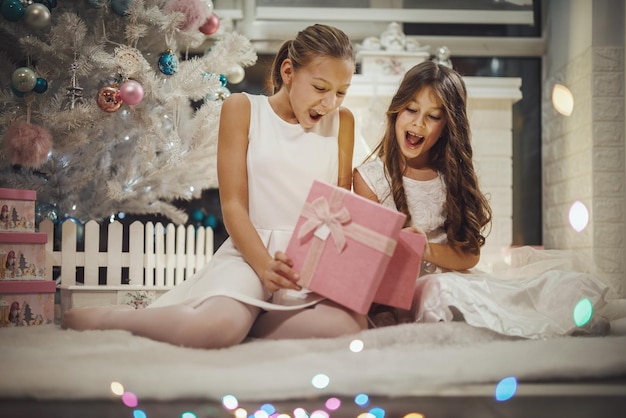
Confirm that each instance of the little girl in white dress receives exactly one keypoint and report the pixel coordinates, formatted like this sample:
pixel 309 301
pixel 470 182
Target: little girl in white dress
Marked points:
pixel 423 168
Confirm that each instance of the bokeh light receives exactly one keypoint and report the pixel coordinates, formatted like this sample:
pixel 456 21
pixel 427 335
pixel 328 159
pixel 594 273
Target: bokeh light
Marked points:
pixel 261 414
pixel 319 414
pixel 241 413
pixel 362 399
pixel 332 404
pixel 562 99
pixel 138 413
pixel 269 408
pixel 130 399
pixel 377 412
pixel 188 414
pixel 506 388
pixel 365 415
pixel 230 402
pixel 413 415
pixel 320 381
pixel 117 388
pixel 578 216
pixel 356 346
pixel 583 311
pixel 300 413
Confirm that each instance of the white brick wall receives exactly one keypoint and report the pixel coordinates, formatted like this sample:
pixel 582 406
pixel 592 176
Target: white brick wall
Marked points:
pixel 583 158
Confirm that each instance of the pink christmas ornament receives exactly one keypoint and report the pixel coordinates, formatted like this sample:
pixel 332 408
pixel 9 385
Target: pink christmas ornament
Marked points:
pixel 131 92
pixel 27 145
pixel 211 25
pixel 195 12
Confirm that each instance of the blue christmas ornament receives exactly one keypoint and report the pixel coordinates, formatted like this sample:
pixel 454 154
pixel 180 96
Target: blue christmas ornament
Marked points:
pixel 168 63
pixel 41 86
pixel 12 10
pixel 223 80
pixel 197 215
pixel 210 220
pixel 120 7
pixel 16 92
pixel 50 4
pixel 45 211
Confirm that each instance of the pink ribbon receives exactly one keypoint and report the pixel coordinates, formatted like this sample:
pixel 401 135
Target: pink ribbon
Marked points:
pixel 320 215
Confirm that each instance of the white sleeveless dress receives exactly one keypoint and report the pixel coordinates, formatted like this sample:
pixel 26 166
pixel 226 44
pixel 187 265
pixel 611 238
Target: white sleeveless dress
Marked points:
pixel 535 297
pixel 283 159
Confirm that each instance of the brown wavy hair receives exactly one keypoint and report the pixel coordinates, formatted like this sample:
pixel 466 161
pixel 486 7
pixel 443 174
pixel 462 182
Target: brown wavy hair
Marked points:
pixel 314 41
pixel 467 210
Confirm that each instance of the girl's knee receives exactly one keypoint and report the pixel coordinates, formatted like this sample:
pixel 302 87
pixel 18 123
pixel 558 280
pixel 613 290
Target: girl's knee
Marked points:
pixel 217 331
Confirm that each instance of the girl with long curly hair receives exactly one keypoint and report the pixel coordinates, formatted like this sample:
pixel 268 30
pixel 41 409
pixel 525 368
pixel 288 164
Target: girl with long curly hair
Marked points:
pixel 423 167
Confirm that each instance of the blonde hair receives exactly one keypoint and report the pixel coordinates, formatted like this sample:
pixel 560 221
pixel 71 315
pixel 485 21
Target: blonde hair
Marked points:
pixel 314 41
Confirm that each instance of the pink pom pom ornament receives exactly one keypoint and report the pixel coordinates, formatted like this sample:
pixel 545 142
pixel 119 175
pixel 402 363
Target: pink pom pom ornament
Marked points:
pixel 27 145
pixel 195 11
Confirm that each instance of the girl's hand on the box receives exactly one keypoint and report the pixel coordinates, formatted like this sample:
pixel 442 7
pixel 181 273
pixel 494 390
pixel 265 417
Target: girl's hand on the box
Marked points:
pixel 279 274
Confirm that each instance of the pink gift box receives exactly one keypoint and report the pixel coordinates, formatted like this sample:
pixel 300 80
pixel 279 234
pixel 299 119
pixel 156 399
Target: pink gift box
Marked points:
pixel 26 303
pixel 342 244
pixel 398 284
pixel 17 210
pixel 23 255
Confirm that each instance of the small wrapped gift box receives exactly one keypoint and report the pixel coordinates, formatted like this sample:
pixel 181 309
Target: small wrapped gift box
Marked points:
pixel 25 303
pixel 342 244
pixel 17 210
pixel 23 255
pixel 398 284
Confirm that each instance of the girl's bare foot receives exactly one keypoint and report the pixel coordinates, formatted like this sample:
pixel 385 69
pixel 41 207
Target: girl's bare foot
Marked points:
pixel 91 317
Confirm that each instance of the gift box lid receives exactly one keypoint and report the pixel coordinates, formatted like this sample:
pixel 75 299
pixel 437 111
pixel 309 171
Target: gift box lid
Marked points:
pixel 27 286
pixel 23 237
pixel 17 194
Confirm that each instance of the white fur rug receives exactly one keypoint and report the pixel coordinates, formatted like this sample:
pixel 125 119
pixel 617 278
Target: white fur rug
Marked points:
pixel 46 362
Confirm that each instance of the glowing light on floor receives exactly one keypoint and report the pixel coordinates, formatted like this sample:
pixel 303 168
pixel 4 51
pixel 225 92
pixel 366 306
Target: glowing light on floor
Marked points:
pixel 332 404
pixel 320 381
pixel 117 388
pixel 506 388
pixel 241 413
pixel 578 216
pixel 583 311
pixel 138 413
pixel 362 399
pixel 562 99
pixel 130 399
pixel 269 408
pixel 230 402
pixel 377 412
pixel 356 346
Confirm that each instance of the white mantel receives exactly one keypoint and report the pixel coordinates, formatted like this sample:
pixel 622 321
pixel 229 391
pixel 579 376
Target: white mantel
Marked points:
pixel 490 101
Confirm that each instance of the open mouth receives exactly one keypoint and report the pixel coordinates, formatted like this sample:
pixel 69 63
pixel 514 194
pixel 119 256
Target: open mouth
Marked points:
pixel 413 140
pixel 316 115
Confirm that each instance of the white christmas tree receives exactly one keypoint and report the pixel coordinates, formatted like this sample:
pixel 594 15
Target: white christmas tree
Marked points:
pixel 96 102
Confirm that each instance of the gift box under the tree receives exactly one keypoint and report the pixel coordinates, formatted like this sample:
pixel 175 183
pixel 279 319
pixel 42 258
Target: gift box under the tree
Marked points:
pixel 17 210
pixel 23 255
pixel 342 244
pixel 26 302
pixel 398 284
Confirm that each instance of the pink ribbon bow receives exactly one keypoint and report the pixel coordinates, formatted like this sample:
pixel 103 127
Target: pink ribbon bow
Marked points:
pixel 320 216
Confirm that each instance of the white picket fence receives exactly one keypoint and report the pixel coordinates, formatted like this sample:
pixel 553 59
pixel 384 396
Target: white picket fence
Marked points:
pixel 158 256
